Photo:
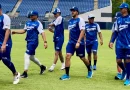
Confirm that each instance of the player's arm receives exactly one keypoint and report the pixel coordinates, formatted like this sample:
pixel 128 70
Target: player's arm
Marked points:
pixel 6 27
pixel 50 29
pixel 82 32
pixel 100 34
pixel 20 31
pixel 42 32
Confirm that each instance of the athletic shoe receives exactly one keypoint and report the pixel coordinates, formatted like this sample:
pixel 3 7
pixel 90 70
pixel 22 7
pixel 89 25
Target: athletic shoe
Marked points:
pixel 94 67
pixel 123 75
pixel 24 75
pixel 65 77
pixel 51 68
pixel 16 78
pixel 118 76
pixel 63 66
pixel 91 67
pixel 43 69
pixel 127 82
pixel 90 74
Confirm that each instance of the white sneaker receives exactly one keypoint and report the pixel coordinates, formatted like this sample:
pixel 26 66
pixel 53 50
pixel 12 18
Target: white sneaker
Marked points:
pixel 51 68
pixel 63 66
pixel 16 79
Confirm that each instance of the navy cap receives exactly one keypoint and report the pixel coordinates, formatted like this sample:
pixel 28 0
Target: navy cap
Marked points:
pixel 56 10
pixel 124 5
pixel 0 6
pixel 118 14
pixel 74 8
pixel 32 13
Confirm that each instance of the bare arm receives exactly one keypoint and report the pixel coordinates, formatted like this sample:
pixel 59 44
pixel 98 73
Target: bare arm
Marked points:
pixel 101 38
pixel 44 39
pixel 7 33
pixel 50 29
pixel 81 35
pixel 19 32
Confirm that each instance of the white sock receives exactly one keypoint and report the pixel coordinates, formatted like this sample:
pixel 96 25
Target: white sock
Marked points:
pixel 35 60
pixel 26 61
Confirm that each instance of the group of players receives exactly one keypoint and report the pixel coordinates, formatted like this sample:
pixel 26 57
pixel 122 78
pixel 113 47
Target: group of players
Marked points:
pixel 81 36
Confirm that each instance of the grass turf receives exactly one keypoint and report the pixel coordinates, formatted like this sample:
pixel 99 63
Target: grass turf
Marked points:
pixel 103 78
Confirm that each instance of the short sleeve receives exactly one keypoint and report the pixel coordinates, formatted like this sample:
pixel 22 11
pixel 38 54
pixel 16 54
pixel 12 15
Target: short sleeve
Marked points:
pixel 98 28
pixel 25 27
pixel 40 28
pixel 7 22
pixel 116 26
pixel 57 21
pixel 113 27
pixel 82 24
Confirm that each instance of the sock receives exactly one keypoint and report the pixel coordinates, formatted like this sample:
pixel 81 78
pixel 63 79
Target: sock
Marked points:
pixel 122 66
pixel 10 65
pixel 67 70
pixel 88 66
pixel 54 65
pixel 128 70
pixel 35 60
pixel 90 63
pixel 95 62
pixel 26 61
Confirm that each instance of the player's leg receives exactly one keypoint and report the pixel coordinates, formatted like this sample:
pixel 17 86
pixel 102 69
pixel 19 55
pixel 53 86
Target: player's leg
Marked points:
pixel 117 77
pixel 7 61
pixel 120 54
pixel 81 53
pixel 127 81
pixel 62 60
pixel 36 61
pixel 94 49
pixel 70 49
pixel 89 52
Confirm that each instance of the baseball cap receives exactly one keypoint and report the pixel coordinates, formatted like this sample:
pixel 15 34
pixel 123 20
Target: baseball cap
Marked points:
pixel 124 5
pixel 56 10
pixel 74 8
pixel 91 16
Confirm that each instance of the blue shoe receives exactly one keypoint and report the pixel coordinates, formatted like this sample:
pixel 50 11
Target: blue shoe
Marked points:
pixel 123 75
pixel 90 74
pixel 127 82
pixel 65 77
pixel 94 67
pixel 118 76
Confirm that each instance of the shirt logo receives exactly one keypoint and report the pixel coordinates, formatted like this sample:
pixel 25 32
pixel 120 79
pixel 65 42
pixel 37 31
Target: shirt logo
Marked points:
pixel 121 27
pixel 30 27
pixel 90 29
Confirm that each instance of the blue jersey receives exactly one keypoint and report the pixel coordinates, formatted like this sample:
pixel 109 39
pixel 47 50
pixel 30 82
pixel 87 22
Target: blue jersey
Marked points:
pixel 91 31
pixel 59 29
pixel 33 28
pixel 74 27
pixel 5 23
pixel 122 28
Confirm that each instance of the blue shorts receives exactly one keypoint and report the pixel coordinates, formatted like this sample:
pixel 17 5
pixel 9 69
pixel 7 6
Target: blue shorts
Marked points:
pixel 6 54
pixel 31 47
pixel 70 48
pixel 58 45
pixel 122 53
pixel 92 47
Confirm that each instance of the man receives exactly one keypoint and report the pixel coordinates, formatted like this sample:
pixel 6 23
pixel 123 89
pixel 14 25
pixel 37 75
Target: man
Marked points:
pixel 58 38
pixel 76 43
pixel 122 36
pixel 6 44
pixel 91 29
pixel 33 27
pixel 118 76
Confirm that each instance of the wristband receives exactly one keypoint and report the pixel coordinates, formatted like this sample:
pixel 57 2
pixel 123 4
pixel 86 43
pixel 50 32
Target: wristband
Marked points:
pixel 45 41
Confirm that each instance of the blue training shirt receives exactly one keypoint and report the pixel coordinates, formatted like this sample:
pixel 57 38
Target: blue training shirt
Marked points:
pixel 91 31
pixel 33 29
pixel 122 28
pixel 74 27
pixel 59 29
pixel 5 23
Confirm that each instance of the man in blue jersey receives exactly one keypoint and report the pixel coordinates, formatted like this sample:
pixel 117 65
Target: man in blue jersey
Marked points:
pixel 118 76
pixel 58 38
pixel 76 43
pixel 122 36
pixel 33 27
pixel 6 44
pixel 91 30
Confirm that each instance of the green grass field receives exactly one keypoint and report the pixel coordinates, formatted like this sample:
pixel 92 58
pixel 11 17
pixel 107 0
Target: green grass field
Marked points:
pixel 103 78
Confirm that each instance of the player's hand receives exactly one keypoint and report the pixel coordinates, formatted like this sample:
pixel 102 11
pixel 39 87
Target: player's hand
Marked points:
pixel 77 45
pixel 45 45
pixel 111 45
pixel 3 48
pixel 13 32
pixel 101 42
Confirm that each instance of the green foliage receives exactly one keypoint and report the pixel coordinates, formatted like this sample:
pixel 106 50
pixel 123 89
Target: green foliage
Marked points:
pixel 116 4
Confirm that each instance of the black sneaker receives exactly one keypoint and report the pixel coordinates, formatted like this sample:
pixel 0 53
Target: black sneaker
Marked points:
pixel 43 68
pixel 24 75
